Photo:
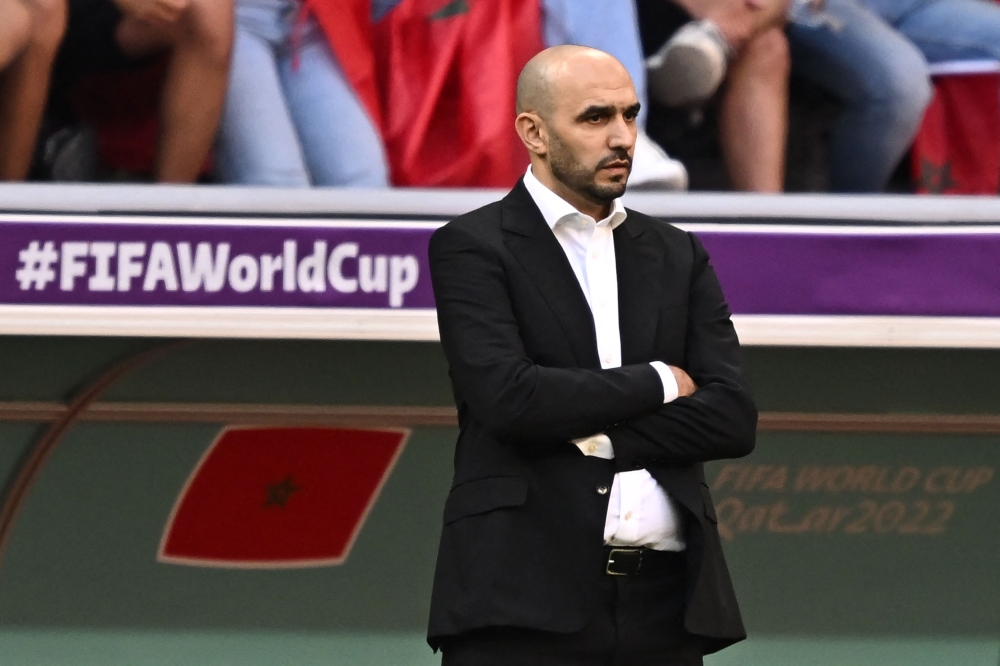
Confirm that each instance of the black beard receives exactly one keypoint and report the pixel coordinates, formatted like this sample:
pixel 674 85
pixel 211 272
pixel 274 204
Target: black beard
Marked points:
pixel 580 179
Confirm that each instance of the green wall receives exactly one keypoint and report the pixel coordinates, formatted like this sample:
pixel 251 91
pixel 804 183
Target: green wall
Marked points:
pixel 80 584
pixel 307 371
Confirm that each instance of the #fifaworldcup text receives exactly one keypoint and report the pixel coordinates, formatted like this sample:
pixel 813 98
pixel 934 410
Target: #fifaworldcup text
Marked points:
pixel 107 266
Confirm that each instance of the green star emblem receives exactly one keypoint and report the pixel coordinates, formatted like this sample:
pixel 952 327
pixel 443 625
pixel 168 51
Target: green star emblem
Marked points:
pixel 454 8
pixel 278 493
pixel 934 178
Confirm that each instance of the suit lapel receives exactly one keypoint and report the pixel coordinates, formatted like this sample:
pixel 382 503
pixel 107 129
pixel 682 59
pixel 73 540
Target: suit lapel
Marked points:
pixel 639 260
pixel 535 247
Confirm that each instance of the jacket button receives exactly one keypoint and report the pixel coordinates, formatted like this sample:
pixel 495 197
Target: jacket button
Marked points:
pixel 602 489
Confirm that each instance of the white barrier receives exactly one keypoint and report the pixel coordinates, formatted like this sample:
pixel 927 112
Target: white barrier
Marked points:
pixel 261 207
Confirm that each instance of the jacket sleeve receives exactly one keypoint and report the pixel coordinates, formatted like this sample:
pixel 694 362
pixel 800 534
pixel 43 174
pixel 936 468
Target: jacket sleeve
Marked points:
pixel 720 419
pixel 490 368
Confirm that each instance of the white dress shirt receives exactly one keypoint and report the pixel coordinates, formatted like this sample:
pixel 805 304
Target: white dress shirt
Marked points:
pixel 639 511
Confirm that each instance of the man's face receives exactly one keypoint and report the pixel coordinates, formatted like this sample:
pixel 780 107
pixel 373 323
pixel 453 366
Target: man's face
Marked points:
pixel 592 129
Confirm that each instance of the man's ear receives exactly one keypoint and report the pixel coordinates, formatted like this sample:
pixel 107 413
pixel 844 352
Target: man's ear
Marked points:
pixel 531 128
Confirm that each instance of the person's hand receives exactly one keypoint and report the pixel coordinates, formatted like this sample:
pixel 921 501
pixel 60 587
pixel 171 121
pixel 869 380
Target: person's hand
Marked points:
pixel 685 385
pixel 159 13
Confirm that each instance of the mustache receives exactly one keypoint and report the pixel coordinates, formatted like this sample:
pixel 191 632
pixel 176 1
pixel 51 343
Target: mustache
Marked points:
pixel 618 158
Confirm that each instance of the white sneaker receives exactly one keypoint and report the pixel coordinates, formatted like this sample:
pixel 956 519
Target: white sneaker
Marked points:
pixel 690 67
pixel 653 169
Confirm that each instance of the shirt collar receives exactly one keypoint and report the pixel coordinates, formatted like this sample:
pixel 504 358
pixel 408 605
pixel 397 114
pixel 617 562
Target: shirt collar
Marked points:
pixel 554 208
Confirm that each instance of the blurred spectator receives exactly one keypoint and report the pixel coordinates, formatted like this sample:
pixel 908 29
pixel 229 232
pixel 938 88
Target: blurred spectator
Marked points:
pixel 753 120
pixel 30 33
pixel 440 62
pixel 195 36
pixel 873 56
pixel 293 117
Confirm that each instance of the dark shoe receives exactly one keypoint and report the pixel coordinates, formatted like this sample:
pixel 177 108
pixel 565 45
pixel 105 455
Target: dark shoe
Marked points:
pixel 70 155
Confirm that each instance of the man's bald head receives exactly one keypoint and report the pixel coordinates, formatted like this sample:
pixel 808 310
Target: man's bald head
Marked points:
pixel 539 82
pixel 576 115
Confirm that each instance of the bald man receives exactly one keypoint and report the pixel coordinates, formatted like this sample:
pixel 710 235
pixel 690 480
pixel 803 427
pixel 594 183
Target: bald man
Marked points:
pixel 595 369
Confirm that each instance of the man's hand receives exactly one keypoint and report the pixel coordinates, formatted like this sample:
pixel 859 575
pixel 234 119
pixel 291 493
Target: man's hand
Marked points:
pixel 685 385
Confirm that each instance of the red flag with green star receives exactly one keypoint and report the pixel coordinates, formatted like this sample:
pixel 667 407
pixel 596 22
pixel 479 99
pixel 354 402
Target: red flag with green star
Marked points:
pixel 279 497
pixel 447 72
pixel 957 150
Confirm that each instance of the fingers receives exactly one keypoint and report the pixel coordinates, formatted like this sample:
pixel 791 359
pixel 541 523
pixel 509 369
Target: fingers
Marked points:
pixel 172 10
pixel 149 26
pixel 685 385
pixel 161 14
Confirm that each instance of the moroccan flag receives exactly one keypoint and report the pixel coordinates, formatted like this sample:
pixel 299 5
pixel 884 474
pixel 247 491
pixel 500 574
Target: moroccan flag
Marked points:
pixel 447 73
pixel 279 497
pixel 957 149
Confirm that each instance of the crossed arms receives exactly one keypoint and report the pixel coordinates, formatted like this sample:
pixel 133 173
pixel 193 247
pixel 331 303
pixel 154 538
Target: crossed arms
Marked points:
pixel 518 399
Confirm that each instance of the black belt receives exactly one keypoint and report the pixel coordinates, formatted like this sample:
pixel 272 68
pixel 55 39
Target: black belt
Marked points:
pixel 620 561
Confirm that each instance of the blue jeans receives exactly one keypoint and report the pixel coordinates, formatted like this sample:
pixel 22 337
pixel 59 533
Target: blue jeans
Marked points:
pixel 287 125
pixel 876 64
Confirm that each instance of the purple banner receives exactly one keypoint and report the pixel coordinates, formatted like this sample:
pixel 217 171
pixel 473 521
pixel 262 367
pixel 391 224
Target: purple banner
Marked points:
pixel 194 264
pixel 863 273
pixel 383 265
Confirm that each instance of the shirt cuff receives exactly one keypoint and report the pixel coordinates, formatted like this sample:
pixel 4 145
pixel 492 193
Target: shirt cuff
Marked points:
pixel 598 446
pixel 669 382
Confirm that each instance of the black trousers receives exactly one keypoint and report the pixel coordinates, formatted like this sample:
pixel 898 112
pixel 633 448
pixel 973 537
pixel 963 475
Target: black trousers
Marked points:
pixel 637 621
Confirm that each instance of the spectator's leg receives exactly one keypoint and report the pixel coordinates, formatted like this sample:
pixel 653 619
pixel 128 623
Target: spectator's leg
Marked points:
pixel 257 142
pixel 882 79
pixel 609 25
pixel 753 122
pixel 341 145
pixel 954 29
pixel 195 85
pixel 24 86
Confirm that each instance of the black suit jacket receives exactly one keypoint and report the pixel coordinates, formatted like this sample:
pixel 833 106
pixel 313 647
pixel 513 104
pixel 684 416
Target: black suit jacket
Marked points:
pixel 523 525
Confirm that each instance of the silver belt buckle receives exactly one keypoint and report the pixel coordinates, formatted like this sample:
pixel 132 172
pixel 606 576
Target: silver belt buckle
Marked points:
pixel 624 561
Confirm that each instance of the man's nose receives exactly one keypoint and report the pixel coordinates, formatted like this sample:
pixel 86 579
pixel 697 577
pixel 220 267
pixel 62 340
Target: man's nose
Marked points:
pixel 621 134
